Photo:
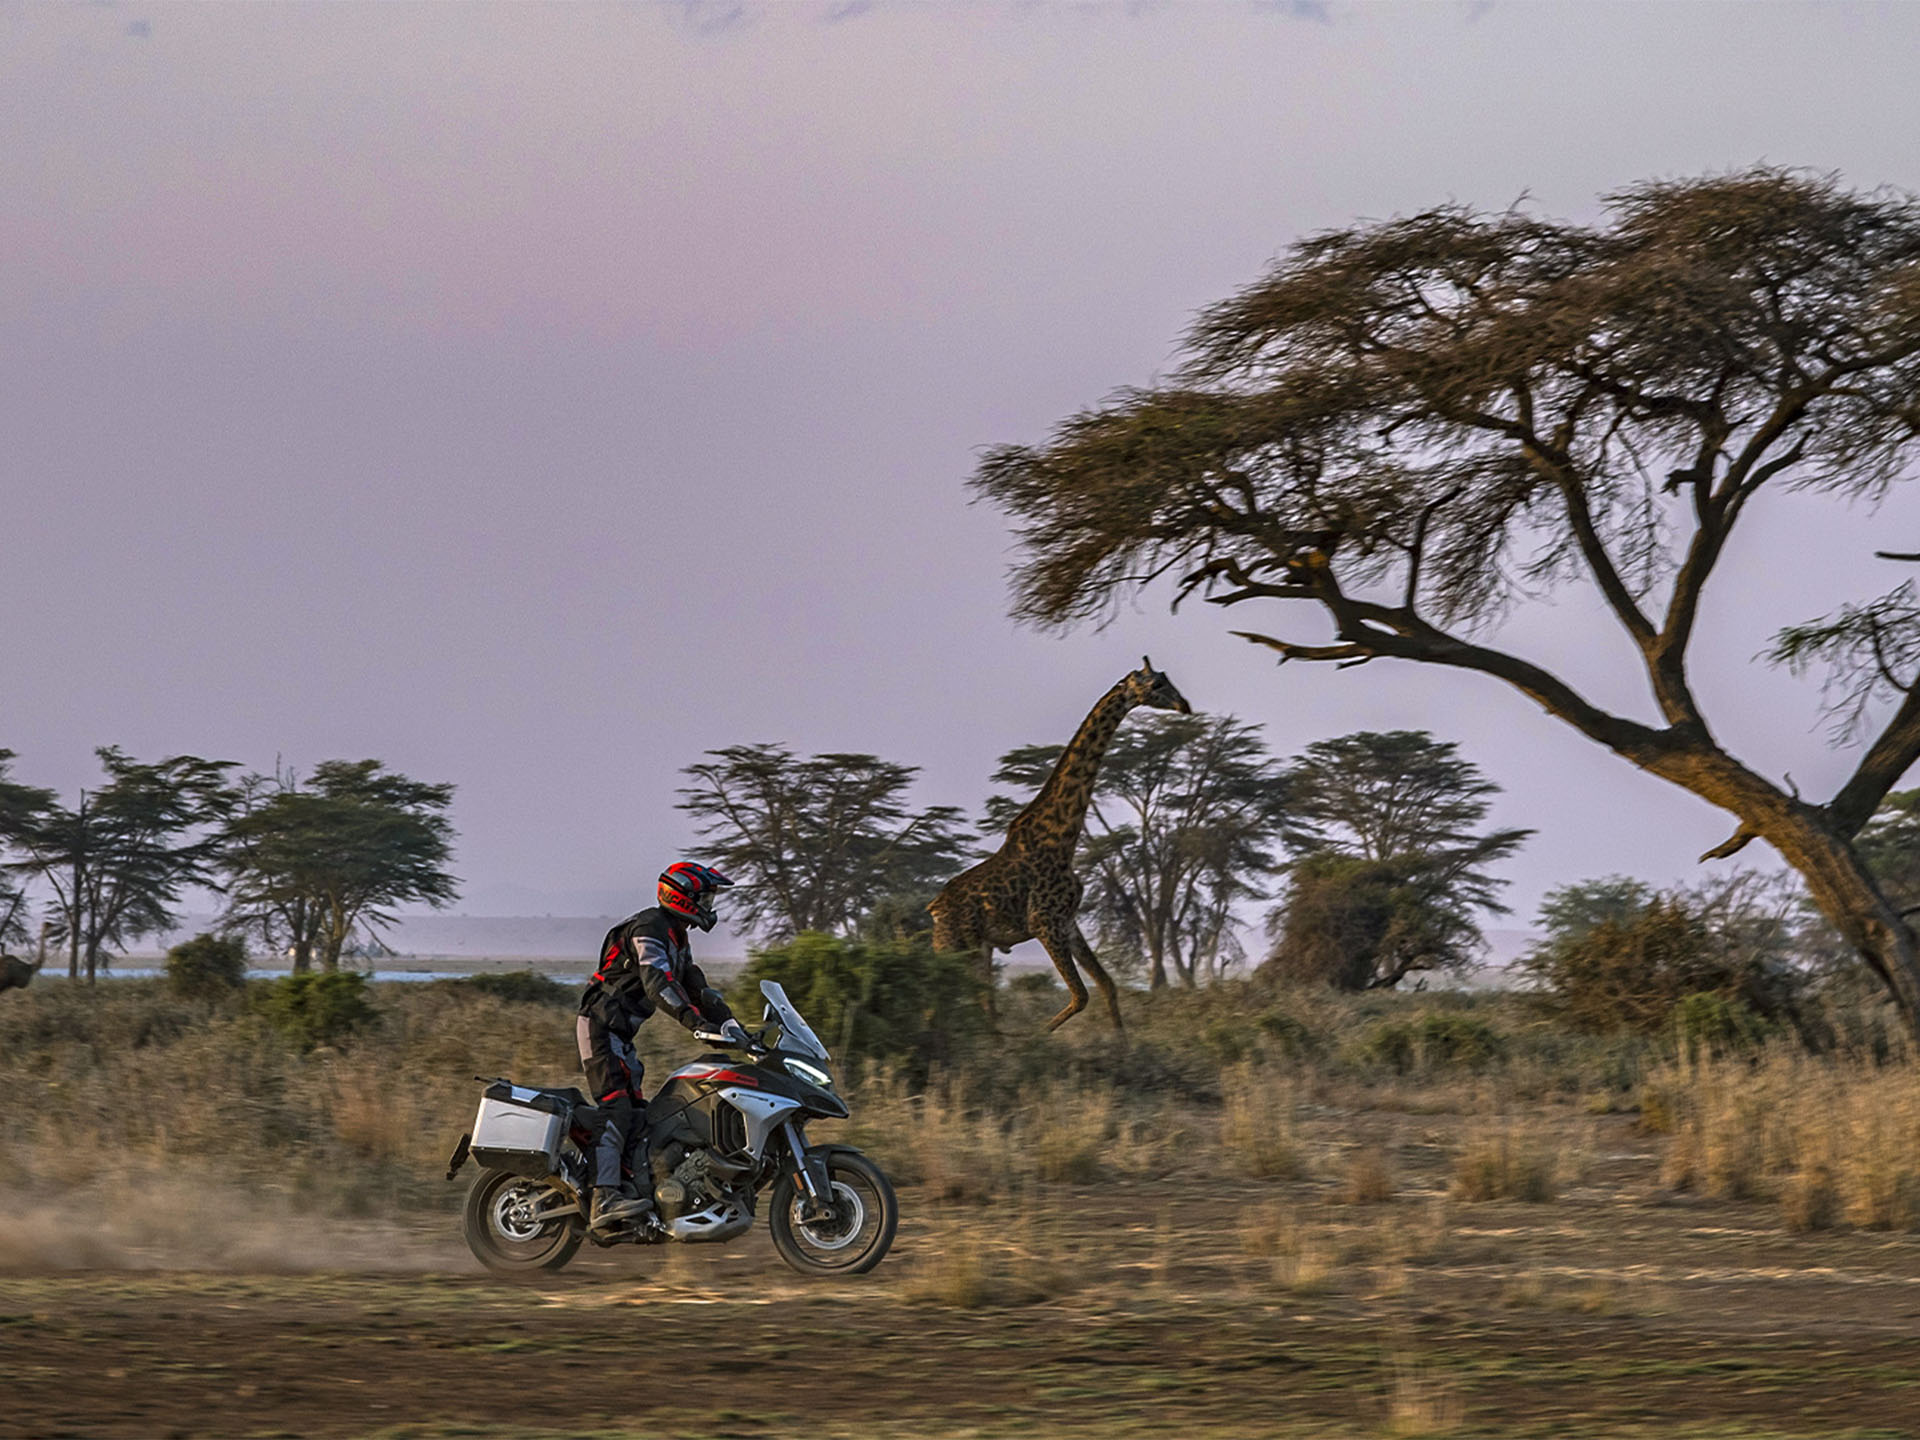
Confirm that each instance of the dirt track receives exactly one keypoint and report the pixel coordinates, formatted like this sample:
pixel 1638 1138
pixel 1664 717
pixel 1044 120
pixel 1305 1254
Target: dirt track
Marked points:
pixel 1600 1314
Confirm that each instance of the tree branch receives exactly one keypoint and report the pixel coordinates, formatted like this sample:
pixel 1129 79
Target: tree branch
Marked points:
pixel 1880 769
pixel 1733 844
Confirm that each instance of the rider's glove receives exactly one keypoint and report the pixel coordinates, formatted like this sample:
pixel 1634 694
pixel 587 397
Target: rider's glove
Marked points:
pixel 734 1033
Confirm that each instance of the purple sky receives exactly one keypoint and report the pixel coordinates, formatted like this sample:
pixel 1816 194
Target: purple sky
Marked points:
pixel 533 397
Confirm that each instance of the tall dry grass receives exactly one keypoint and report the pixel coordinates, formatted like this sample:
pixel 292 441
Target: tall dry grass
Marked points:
pixel 1512 1159
pixel 1259 1126
pixel 1834 1141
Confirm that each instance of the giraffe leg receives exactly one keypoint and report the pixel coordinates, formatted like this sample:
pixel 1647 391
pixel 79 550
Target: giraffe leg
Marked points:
pixel 1059 945
pixel 987 968
pixel 1083 953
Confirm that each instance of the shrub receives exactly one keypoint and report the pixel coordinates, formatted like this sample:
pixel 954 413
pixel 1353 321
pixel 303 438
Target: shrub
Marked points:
pixel 1035 982
pixel 1355 924
pixel 207 967
pixel 1635 971
pixel 1292 1036
pixel 885 1000
pixel 519 987
pixel 315 1009
pixel 1432 1041
pixel 1716 1025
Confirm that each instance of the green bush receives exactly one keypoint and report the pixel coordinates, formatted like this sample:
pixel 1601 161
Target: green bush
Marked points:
pixel 519 987
pixel 1709 1024
pixel 1634 970
pixel 1036 982
pixel 207 967
pixel 314 1008
pixel 1291 1035
pixel 1432 1041
pixel 884 1000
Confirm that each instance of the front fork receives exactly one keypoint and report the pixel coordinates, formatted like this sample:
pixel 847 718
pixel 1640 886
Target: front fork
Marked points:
pixel 811 1167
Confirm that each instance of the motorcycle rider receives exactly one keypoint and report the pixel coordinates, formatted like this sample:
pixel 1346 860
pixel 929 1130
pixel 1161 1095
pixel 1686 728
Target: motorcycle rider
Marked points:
pixel 646 964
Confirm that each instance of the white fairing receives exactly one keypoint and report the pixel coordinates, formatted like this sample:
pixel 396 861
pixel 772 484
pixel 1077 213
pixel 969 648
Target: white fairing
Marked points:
pixel 795 1034
pixel 762 1113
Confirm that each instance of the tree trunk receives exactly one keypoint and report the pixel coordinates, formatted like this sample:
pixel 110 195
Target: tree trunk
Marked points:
pixel 1847 894
pixel 1836 878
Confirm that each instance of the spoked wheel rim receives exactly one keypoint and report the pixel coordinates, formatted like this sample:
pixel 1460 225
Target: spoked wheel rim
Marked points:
pixel 835 1232
pixel 510 1215
pixel 502 1231
pixel 843 1239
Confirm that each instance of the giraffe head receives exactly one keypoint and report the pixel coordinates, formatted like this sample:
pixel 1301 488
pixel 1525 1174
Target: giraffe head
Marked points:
pixel 1150 687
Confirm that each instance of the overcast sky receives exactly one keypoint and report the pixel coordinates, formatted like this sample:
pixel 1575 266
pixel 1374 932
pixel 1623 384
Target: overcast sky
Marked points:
pixel 533 397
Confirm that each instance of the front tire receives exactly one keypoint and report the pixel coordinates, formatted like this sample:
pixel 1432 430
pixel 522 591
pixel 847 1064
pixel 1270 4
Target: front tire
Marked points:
pixel 500 1235
pixel 859 1233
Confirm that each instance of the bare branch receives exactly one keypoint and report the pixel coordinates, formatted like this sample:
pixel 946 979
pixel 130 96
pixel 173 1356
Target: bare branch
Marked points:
pixel 1732 845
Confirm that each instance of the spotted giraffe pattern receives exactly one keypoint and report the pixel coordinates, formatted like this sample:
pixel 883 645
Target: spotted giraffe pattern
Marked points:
pixel 1026 890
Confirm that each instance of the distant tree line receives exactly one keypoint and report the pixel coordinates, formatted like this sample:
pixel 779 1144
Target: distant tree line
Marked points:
pixel 1368 841
pixel 302 864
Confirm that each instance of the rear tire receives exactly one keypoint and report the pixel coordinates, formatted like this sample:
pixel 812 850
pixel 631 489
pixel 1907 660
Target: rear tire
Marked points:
pixel 856 1239
pixel 500 1237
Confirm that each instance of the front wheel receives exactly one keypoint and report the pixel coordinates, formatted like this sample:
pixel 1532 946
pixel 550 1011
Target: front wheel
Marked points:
pixel 502 1232
pixel 855 1233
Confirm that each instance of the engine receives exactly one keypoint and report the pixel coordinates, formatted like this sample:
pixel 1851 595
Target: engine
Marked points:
pixel 687 1185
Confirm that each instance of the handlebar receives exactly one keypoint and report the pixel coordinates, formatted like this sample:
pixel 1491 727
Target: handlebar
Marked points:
pixel 714 1037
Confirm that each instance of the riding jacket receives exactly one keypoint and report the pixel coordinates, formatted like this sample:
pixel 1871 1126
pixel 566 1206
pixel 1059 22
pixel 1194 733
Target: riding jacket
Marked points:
pixel 645 965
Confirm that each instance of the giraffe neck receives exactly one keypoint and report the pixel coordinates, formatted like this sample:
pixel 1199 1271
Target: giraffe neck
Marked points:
pixel 1060 809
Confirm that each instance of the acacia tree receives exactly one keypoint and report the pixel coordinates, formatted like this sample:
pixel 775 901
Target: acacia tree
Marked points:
pixel 1186 812
pixel 117 862
pixel 1393 872
pixel 22 808
pixel 308 864
pixel 1412 425
pixel 818 841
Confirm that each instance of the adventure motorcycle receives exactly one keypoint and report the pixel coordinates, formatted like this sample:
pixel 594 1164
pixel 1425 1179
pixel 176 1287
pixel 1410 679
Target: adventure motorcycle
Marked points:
pixel 721 1132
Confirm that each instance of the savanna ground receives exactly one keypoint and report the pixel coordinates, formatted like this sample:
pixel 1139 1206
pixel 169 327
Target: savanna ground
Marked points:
pixel 1266 1219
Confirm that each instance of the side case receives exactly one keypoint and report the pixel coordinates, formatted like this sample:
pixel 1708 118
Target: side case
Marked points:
pixel 519 1131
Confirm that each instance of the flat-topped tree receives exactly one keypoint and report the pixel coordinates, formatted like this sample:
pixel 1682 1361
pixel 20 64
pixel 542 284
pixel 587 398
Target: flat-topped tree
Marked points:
pixel 1416 424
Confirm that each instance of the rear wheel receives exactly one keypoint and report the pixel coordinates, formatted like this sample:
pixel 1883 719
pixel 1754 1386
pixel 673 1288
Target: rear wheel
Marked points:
pixel 856 1230
pixel 502 1232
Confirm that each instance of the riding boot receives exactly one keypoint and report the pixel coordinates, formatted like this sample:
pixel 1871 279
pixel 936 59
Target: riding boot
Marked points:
pixel 611 1208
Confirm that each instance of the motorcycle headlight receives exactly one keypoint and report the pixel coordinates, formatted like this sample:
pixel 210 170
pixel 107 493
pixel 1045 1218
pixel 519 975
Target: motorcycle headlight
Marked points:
pixel 812 1074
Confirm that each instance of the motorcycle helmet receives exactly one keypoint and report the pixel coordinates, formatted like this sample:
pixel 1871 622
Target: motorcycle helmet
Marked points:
pixel 687 890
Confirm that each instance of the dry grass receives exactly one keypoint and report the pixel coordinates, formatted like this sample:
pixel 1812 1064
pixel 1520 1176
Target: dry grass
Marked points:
pixel 1422 1401
pixel 1513 1160
pixel 1369 1177
pixel 964 1263
pixel 1834 1142
pixel 1258 1129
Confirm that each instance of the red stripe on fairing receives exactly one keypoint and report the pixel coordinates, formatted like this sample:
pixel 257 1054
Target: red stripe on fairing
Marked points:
pixel 732 1077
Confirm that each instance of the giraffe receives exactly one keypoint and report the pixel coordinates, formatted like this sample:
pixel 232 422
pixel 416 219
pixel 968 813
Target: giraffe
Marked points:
pixel 1026 890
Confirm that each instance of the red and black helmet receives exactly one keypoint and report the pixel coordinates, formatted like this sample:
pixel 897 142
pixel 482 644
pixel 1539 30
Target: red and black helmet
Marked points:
pixel 687 890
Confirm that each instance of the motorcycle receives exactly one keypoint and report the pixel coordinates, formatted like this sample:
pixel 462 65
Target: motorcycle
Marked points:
pixel 722 1131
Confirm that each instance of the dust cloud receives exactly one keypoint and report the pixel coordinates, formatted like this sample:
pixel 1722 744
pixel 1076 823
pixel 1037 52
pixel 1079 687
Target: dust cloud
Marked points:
pixel 165 1226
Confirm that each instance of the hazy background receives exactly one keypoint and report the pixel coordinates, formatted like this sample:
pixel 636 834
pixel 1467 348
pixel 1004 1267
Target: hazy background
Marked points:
pixel 533 397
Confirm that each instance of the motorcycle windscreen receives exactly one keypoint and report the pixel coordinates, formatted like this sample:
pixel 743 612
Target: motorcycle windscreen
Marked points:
pixel 795 1033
